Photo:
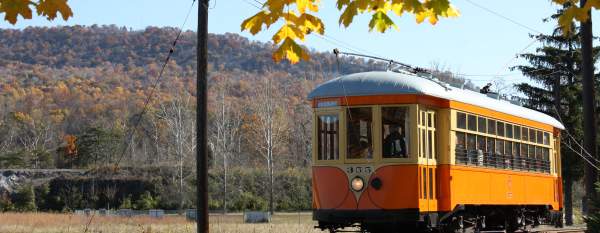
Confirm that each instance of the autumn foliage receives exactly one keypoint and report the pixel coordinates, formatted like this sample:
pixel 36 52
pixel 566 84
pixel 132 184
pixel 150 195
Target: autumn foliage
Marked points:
pixel 299 18
pixel 50 9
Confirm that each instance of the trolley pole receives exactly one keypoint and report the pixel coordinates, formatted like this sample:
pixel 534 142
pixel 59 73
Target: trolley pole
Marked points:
pixel 201 122
pixel 589 103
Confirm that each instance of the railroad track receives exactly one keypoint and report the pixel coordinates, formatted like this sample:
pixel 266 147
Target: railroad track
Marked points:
pixel 559 230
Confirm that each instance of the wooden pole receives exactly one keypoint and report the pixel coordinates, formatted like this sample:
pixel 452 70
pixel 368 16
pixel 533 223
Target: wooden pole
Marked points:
pixel 201 122
pixel 589 104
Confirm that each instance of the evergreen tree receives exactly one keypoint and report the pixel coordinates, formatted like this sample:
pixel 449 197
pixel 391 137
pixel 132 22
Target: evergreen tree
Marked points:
pixel 25 199
pixel 555 69
pixel 593 220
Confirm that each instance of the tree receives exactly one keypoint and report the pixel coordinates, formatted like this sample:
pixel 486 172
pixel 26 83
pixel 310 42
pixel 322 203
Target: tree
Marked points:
pixel 47 8
pixel 267 126
pixel 593 219
pixel 98 146
pixel 301 20
pixel 225 130
pixel 179 117
pixel 24 199
pixel 556 69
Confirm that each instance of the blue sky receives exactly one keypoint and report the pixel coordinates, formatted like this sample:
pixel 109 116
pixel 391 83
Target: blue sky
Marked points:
pixel 476 43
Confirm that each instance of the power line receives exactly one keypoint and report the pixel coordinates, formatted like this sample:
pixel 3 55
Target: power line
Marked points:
pixel 138 120
pixel 504 17
pixel 253 4
pixel 512 59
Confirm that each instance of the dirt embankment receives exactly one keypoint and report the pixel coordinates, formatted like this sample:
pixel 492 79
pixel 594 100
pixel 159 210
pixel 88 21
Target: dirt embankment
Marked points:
pixel 12 179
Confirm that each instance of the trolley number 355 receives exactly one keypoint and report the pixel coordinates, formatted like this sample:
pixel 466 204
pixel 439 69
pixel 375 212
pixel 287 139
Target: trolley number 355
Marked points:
pixel 359 169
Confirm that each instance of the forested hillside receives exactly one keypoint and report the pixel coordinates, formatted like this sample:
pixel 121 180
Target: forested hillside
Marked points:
pixel 73 97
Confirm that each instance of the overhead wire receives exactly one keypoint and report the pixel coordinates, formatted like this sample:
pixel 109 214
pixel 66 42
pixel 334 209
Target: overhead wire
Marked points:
pixel 154 87
pixel 253 4
pixel 515 22
pixel 504 17
pixel 572 138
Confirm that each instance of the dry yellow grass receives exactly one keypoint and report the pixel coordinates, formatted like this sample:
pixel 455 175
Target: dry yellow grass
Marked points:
pixel 231 223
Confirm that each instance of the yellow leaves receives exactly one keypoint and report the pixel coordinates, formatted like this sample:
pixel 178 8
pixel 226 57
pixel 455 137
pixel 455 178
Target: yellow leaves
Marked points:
pixel 299 22
pixel 13 8
pixel 303 5
pixel 22 117
pixel 48 8
pixel 288 31
pixel 575 13
pixel 348 15
pixel 291 51
pixel 432 9
pixel 381 22
pixel 71 145
pixel 254 24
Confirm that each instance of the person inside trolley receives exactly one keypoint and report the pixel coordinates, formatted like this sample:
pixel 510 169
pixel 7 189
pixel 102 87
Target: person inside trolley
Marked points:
pixel 394 144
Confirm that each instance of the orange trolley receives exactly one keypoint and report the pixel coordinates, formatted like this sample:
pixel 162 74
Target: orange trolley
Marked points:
pixel 399 150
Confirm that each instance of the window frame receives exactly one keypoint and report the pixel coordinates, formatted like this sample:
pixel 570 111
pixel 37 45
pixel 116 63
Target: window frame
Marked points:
pixel 408 131
pixel 374 131
pixel 341 131
pixel 521 143
pixel 412 144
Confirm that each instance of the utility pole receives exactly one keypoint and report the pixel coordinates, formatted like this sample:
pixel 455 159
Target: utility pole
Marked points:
pixel 201 122
pixel 589 104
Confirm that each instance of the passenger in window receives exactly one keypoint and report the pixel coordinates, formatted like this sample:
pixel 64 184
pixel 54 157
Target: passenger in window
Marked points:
pixel 365 151
pixel 394 145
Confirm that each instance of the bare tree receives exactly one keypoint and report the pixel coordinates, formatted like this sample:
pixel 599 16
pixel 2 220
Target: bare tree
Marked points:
pixel 225 132
pixel 268 126
pixel 179 116
pixel 110 192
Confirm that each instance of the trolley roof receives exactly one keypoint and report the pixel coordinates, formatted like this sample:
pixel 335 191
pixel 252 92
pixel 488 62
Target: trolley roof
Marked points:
pixel 390 83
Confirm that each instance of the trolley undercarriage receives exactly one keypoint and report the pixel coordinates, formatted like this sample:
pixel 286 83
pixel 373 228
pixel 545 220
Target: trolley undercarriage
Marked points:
pixel 465 218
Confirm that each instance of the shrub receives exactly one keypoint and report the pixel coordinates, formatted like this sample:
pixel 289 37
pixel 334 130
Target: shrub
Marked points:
pixel 146 202
pixel 24 199
pixel 593 218
pixel 126 203
pixel 6 203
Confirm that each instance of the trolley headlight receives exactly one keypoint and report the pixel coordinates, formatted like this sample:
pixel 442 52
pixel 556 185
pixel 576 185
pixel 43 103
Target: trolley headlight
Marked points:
pixel 357 184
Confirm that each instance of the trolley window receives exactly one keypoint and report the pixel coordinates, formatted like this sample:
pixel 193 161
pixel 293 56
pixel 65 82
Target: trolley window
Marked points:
pixel 532 135
pixel 499 147
pixel 461 141
pixel 517 133
pixel 360 127
pixel 508 148
pixel 480 143
pixel 472 122
pixel 471 142
pixel 516 149
pixel 461 120
pixel 328 135
pixel 509 130
pixel 500 131
pixel 394 129
pixel 546 138
pixel 490 146
pixel 491 127
pixel 481 126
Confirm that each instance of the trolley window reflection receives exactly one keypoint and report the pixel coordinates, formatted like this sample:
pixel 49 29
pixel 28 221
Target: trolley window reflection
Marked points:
pixel 395 134
pixel 328 134
pixel 360 127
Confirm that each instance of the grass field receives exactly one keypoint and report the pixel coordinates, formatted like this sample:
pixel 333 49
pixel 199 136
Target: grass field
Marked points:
pixel 55 223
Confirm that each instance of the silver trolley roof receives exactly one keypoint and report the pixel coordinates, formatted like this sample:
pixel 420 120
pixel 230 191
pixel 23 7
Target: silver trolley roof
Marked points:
pixel 394 83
